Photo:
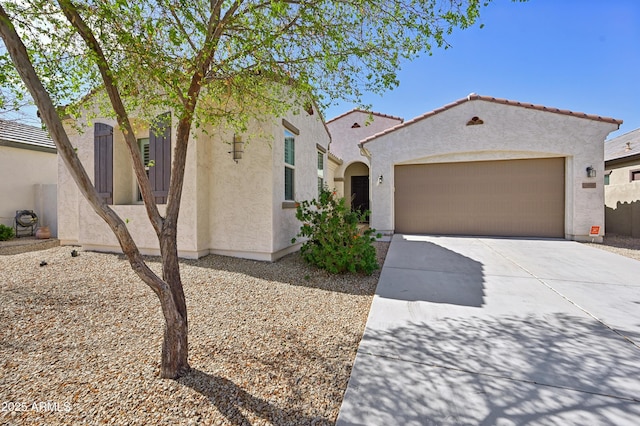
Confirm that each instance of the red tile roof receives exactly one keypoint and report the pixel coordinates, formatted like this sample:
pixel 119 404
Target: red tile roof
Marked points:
pixel 474 97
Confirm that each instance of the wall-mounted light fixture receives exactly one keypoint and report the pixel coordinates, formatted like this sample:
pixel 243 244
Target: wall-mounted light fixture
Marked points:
pixel 380 179
pixel 591 172
pixel 237 147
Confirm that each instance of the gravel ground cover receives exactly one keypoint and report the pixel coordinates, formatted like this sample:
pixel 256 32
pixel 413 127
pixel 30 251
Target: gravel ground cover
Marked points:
pixel 23 245
pixel 620 244
pixel 270 343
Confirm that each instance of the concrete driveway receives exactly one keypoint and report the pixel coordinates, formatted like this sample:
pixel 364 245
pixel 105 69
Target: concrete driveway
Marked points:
pixel 472 331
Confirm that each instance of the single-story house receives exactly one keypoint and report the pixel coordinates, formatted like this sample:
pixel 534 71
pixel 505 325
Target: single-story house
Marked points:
pixel 487 166
pixel 349 170
pixel 622 184
pixel 28 163
pixel 239 198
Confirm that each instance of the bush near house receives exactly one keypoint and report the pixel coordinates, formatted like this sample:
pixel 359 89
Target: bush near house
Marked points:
pixel 334 241
pixel 6 233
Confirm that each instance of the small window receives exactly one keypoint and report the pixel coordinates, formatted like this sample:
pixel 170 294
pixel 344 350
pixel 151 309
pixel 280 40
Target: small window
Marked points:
pixel 320 171
pixel 606 178
pixel 635 175
pixel 289 165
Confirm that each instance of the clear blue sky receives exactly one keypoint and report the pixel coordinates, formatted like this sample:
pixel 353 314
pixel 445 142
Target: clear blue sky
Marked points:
pixel 581 55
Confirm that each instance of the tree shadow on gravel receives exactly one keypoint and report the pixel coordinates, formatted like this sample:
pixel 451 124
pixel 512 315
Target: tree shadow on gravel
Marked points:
pixel 235 403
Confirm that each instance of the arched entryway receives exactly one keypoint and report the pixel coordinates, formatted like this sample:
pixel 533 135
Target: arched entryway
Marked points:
pixel 356 186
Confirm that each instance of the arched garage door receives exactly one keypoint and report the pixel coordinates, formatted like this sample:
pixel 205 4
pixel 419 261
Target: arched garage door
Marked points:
pixel 500 198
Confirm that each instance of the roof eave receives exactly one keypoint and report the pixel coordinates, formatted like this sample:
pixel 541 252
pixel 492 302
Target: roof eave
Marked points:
pixel 474 97
pixel 31 147
pixel 620 160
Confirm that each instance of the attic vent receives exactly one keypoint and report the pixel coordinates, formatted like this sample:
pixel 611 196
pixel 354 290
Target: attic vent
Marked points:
pixel 355 126
pixel 474 121
pixel 628 147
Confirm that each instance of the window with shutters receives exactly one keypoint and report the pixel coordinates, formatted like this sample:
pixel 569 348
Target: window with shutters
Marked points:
pixel 160 157
pixel 115 179
pixel 289 165
pixel 103 161
pixel 144 153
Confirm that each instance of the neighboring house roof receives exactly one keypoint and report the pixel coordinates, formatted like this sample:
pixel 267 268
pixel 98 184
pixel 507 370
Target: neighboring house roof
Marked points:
pixel 624 147
pixel 23 136
pixel 400 119
pixel 474 97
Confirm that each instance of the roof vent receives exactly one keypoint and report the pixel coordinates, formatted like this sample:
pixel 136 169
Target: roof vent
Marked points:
pixel 475 121
pixel 628 147
pixel 355 126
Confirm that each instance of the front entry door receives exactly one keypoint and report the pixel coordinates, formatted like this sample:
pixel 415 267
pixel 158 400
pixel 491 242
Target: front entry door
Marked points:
pixel 360 193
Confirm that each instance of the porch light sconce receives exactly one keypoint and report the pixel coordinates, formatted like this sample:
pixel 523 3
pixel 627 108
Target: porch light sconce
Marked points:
pixel 591 172
pixel 380 179
pixel 237 148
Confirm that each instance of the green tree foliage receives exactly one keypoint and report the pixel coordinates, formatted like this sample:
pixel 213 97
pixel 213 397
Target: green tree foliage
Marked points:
pixel 235 50
pixel 333 239
pixel 211 63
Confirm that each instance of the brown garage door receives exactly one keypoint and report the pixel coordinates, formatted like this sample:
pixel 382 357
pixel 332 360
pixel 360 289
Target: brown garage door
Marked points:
pixel 502 198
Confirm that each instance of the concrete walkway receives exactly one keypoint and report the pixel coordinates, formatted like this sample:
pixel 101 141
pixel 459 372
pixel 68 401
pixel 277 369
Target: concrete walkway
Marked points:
pixel 486 331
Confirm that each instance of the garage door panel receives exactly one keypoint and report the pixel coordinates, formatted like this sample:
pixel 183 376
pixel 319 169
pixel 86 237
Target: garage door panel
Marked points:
pixel 503 198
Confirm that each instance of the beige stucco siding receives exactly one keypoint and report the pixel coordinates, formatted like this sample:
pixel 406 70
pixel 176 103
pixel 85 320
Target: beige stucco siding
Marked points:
pixel 345 140
pixel 311 134
pixel 79 224
pixel 228 207
pixel 620 187
pixel 622 199
pixel 24 171
pixel 508 132
pixel 240 195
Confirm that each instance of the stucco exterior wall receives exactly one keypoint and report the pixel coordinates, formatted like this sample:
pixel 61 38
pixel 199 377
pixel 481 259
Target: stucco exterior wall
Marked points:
pixel 79 224
pixel 23 173
pixel 345 140
pixel 622 199
pixel 332 165
pixel 68 206
pixel 508 132
pixel 620 187
pixel 240 194
pixel 228 207
pixel 311 134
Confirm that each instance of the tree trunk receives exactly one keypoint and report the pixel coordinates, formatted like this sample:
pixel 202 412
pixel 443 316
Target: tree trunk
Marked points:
pixel 175 346
pixel 169 289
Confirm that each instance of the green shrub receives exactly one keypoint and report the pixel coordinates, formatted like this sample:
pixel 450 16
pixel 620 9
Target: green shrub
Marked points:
pixel 334 241
pixel 6 233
